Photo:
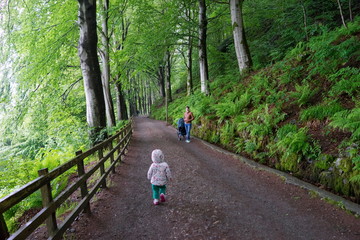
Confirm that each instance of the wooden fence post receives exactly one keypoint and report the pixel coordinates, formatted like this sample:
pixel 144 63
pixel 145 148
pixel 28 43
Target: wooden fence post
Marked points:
pixel 46 201
pixel 112 156
pixel 122 144
pixel 83 187
pixel 102 168
pixel 118 141
pixel 126 138
pixel 4 232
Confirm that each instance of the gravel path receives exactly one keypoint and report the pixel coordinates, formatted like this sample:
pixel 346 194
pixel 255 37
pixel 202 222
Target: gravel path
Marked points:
pixel 212 196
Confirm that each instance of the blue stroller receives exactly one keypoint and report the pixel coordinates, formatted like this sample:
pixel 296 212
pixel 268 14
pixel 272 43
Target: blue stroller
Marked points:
pixel 181 131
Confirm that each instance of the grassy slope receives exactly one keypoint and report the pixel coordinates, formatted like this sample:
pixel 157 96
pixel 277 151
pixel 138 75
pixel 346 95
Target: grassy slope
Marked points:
pixel 300 115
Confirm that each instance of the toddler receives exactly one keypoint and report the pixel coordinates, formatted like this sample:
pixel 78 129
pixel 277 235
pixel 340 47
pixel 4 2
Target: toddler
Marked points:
pixel 159 174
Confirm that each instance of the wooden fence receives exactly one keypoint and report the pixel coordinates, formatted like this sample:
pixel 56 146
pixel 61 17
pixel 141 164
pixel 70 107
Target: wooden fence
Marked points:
pixel 48 213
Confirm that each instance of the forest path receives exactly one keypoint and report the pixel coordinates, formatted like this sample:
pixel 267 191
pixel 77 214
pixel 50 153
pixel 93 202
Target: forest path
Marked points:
pixel 212 196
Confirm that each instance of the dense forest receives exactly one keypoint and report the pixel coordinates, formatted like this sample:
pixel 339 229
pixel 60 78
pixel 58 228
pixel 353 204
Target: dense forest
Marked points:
pixel 277 81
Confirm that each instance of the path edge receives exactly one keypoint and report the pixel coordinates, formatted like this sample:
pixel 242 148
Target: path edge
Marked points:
pixel 323 194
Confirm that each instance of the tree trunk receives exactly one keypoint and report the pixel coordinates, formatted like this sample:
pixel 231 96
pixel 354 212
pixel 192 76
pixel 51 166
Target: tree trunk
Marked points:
pixel 305 21
pixel 144 98
pixel 350 11
pixel 168 76
pixel 139 93
pixel 189 81
pixel 104 54
pixel 241 46
pixel 122 112
pixel 132 101
pixel 120 101
pixel 204 71
pixel 87 50
pixel 161 79
pixel 341 14
pixel 150 96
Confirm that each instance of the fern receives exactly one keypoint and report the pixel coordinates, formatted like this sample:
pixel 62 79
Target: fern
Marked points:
pixel 239 144
pixel 285 130
pixel 227 133
pixel 347 80
pixel 290 143
pixel 232 106
pixel 303 94
pixel 348 120
pixel 250 147
pixel 356 162
pixel 355 179
pixel 320 112
pixel 297 52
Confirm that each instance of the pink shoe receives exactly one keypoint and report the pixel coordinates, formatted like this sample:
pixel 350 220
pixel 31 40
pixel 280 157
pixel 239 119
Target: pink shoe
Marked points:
pixel 162 197
pixel 156 202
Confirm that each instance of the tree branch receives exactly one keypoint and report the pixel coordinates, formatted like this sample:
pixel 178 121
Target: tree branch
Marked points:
pixel 68 90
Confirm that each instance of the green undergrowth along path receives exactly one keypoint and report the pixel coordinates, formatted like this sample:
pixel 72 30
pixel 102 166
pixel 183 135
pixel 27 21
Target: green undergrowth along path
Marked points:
pixel 300 115
pixel 22 167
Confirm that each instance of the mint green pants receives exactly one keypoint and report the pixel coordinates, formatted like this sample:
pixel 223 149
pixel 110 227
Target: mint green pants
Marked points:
pixel 157 190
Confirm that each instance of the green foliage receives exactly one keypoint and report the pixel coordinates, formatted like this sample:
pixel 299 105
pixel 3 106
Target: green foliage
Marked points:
pixel 285 130
pixel 21 171
pixel 227 133
pixel 293 145
pixel 200 105
pixel 320 112
pixel 232 105
pixel 298 52
pixel 246 113
pixel 250 147
pixel 323 162
pixel 333 49
pixel 346 80
pixel 239 144
pixel 256 128
pixel 303 94
pixel 348 120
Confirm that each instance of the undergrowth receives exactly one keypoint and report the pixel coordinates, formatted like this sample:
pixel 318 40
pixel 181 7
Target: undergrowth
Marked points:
pixel 265 115
pixel 21 170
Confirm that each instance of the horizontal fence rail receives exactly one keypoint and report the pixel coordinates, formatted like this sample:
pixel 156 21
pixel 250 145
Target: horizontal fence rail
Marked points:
pixel 116 146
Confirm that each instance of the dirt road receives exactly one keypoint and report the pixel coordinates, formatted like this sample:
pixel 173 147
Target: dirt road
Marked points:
pixel 212 196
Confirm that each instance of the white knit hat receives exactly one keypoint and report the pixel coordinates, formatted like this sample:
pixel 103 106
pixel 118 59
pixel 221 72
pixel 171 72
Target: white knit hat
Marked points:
pixel 157 156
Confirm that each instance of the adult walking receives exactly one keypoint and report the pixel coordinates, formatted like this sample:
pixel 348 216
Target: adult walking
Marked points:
pixel 188 118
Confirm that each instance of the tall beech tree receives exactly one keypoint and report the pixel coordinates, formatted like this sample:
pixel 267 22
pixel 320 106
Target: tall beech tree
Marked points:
pixel 120 29
pixel 203 61
pixel 241 46
pixel 87 50
pixel 168 75
pixel 105 59
pixel 189 15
